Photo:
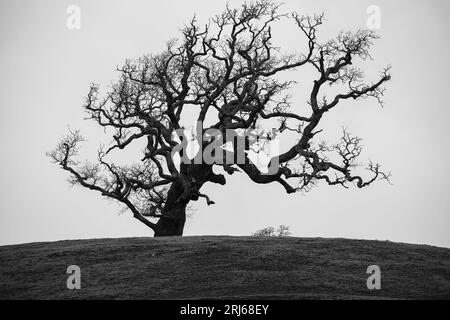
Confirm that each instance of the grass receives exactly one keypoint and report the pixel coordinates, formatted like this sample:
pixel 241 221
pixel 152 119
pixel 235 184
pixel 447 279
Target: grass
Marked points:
pixel 206 267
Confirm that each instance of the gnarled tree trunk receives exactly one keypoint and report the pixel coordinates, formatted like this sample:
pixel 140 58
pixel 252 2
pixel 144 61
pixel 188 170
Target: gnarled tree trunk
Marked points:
pixel 174 214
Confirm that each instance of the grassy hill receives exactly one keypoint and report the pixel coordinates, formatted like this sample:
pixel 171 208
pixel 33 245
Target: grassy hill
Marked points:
pixel 223 267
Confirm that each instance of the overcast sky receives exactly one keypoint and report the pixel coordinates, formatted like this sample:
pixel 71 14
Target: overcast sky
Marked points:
pixel 46 70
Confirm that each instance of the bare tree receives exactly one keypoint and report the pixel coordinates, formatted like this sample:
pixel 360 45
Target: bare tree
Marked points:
pixel 227 71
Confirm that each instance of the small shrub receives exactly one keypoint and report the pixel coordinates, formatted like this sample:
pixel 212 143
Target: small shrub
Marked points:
pixel 281 231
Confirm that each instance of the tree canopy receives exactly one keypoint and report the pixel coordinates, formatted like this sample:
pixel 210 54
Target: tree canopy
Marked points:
pixel 227 72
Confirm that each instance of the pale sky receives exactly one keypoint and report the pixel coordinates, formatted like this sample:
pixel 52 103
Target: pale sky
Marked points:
pixel 45 74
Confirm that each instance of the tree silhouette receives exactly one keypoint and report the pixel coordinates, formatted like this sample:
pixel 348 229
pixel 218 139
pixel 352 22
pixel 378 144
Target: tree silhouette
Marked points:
pixel 228 73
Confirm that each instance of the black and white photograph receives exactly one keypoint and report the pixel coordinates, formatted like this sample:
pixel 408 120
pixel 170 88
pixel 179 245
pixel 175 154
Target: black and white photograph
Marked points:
pixel 224 156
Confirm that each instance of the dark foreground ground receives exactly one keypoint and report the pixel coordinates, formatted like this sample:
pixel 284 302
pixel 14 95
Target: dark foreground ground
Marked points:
pixel 223 267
